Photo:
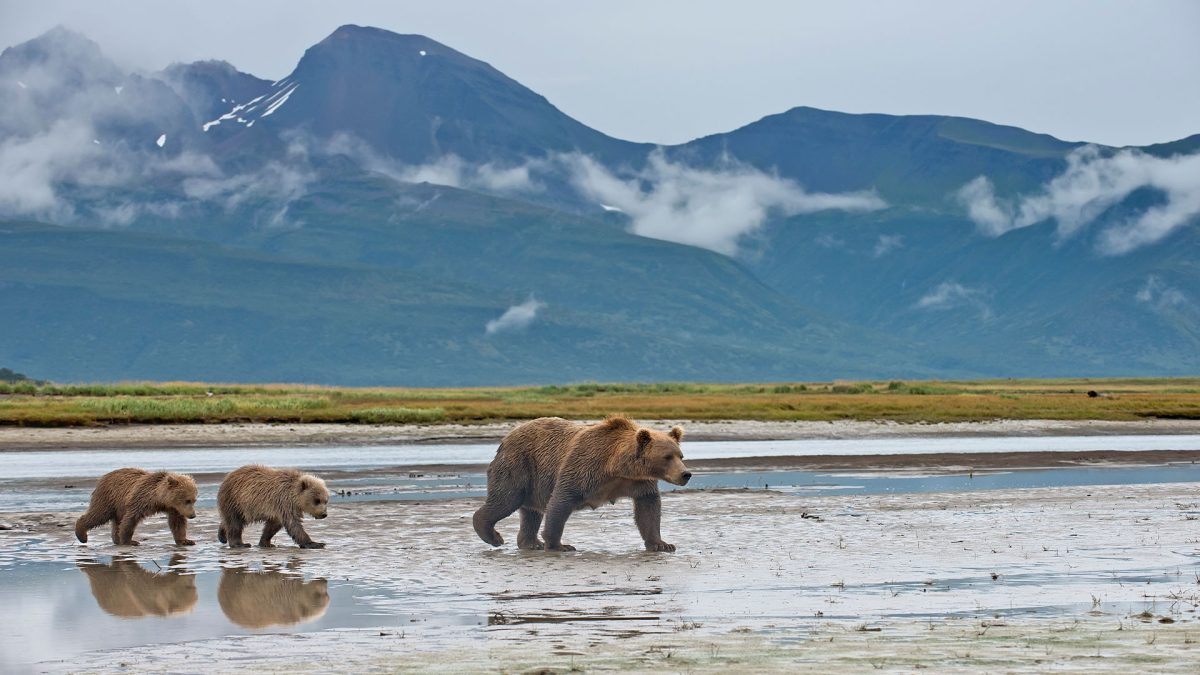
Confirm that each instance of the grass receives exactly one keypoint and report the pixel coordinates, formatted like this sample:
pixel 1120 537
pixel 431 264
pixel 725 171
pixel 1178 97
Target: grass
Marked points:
pixel 30 404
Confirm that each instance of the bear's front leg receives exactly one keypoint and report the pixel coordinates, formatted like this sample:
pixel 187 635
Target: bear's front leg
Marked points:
pixel 647 513
pixel 178 526
pixel 562 503
pixel 296 531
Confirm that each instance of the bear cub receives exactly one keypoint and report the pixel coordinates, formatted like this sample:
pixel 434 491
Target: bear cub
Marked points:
pixel 126 497
pixel 277 497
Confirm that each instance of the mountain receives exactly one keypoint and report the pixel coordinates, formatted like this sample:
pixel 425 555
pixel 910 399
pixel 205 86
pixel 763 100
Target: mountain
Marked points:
pixel 146 306
pixel 412 99
pixel 211 88
pixel 909 159
pixel 365 219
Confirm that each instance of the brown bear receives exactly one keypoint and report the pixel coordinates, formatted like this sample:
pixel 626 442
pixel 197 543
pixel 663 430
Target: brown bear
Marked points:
pixel 126 589
pixel 554 467
pixel 278 497
pixel 264 599
pixel 127 496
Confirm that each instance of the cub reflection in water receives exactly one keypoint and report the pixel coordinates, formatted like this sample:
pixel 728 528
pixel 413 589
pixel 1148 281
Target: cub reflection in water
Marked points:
pixel 126 589
pixel 260 599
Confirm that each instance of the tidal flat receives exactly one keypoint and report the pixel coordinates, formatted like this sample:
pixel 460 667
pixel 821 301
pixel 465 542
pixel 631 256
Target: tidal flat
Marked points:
pixel 1095 577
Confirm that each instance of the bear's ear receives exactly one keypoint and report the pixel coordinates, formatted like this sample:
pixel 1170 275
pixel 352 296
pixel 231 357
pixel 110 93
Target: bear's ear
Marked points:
pixel 677 433
pixel 173 481
pixel 305 484
pixel 643 439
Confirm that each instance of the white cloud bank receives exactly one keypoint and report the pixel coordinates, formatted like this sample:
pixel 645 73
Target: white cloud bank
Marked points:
pixel 516 317
pixel 1091 184
pixel 709 208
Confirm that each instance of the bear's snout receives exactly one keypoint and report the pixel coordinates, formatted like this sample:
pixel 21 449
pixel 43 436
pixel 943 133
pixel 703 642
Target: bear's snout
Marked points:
pixel 687 475
pixel 320 516
pixel 192 516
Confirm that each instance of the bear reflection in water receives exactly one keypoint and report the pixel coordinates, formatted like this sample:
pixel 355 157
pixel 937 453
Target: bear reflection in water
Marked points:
pixel 260 599
pixel 126 589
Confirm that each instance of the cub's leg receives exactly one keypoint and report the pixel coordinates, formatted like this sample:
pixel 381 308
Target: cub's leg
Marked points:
pixel 129 523
pixel 295 530
pixel 178 525
pixel 232 531
pixel 92 518
pixel 527 538
pixel 270 529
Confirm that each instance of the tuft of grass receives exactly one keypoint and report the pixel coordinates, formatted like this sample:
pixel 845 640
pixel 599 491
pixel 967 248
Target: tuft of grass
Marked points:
pixel 398 415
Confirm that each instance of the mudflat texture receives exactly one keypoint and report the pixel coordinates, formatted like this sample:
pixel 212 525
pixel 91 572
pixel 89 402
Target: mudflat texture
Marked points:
pixel 1094 579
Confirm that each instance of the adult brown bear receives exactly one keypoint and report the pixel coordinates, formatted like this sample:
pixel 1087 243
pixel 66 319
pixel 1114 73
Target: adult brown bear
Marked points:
pixel 554 467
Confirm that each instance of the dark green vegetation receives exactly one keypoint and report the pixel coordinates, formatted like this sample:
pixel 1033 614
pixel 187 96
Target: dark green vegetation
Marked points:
pixel 9 376
pixel 297 253
pixel 147 403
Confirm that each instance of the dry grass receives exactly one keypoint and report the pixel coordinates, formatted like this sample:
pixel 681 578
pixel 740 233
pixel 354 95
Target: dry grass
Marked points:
pixel 175 402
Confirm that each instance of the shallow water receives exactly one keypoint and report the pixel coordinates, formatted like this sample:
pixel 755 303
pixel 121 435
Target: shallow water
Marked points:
pixel 19 496
pixel 82 463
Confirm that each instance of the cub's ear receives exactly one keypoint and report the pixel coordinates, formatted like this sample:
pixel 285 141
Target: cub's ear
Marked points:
pixel 677 433
pixel 305 483
pixel 643 439
pixel 173 481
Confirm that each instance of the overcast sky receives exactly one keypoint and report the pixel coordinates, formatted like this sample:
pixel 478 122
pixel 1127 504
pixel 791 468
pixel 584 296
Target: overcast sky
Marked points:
pixel 668 71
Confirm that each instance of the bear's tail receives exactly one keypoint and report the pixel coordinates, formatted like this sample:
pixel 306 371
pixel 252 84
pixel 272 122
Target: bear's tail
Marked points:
pixel 221 534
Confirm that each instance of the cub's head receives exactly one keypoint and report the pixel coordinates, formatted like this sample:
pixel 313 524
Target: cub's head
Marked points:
pixel 658 456
pixel 312 495
pixel 179 494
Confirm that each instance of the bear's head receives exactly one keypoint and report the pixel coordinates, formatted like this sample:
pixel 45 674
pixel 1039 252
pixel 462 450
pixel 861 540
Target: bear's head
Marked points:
pixel 312 495
pixel 179 494
pixel 658 456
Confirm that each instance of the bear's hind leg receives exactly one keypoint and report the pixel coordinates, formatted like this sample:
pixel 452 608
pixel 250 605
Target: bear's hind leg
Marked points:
pixel 270 529
pixel 116 530
pixel 498 506
pixel 129 523
pixel 527 538
pixel 89 520
pixel 231 531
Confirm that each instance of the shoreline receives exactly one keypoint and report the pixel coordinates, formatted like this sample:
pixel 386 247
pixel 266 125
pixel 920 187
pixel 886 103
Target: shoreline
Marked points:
pixel 182 436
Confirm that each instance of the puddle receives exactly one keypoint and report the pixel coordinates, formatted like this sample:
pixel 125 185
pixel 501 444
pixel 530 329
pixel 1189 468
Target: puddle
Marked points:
pixel 53 612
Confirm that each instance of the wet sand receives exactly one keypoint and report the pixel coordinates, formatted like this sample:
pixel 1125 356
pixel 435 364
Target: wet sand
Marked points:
pixel 1098 578
pixel 253 435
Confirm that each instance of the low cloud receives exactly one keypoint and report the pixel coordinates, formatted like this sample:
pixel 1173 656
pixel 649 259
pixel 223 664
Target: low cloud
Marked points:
pixel 1158 294
pixel 516 317
pixel 449 170
pixel 950 295
pixel 886 244
pixel 1091 184
pixel 709 208
pixel 277 184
